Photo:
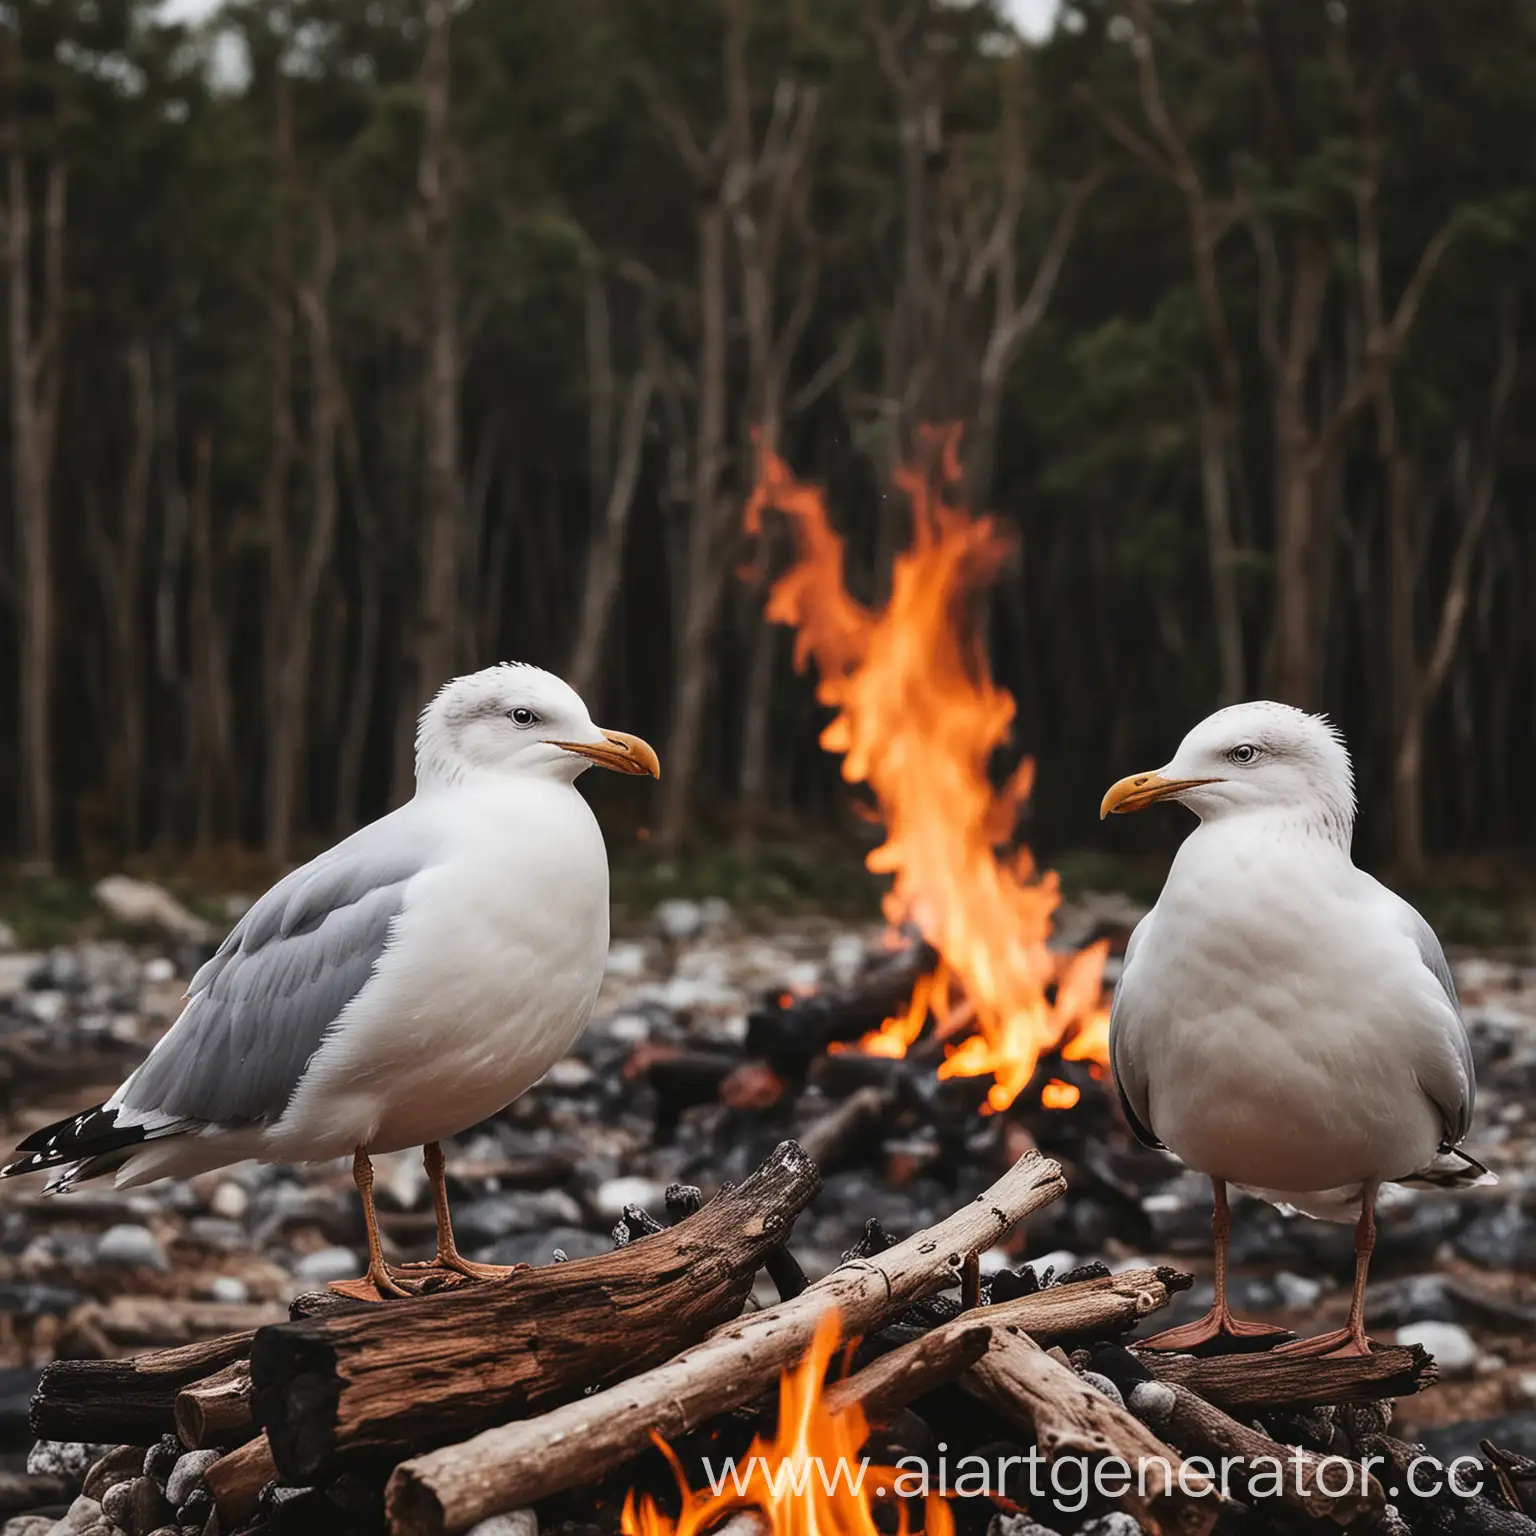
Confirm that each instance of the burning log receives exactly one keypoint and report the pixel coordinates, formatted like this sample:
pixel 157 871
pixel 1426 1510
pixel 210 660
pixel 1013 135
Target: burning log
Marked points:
pixel 450 1489
pixel 1070 1418
pixel 217 1410
pixel 128 1401
pixel 789 1033
pixel 415 1374
pixel 1248 1381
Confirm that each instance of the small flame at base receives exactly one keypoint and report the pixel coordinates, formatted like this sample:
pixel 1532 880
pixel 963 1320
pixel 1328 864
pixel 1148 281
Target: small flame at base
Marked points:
pixel 918 720
pixel 807 1481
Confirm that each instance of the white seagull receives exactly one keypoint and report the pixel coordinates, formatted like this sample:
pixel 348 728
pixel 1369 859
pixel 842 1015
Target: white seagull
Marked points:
pixel 1285 1023
pixel 402 986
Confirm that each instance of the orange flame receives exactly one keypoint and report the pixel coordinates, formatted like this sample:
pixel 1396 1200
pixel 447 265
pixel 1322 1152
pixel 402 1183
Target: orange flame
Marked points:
pixel 807 1481
pixel 918 720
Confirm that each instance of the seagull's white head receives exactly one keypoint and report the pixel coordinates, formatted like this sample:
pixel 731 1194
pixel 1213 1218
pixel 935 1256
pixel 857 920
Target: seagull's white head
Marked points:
pixel 517 719
pixel 1256 757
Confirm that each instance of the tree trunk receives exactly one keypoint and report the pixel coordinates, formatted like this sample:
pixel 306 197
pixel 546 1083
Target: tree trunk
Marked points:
pixel 693 652
pixel 437 618
pixel 283 724
pixel 1216 434
pixel 35 379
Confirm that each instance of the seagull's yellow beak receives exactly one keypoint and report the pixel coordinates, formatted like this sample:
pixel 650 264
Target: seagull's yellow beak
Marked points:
pixel 618 750
pixel 1143 789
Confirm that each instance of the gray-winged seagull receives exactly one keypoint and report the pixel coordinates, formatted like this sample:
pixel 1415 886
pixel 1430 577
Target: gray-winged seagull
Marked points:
pixel 1285 1023
pixel 401 987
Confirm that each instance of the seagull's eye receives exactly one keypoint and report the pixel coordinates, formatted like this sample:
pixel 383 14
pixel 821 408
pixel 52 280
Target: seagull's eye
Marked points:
pixel 522 716
pixel 1243 753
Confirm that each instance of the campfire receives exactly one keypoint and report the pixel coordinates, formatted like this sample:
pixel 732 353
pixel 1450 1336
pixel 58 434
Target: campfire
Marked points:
pixel 919 721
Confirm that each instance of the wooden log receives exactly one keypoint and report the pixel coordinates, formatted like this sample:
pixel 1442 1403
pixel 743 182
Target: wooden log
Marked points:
pixel 1067 1417
pixel 216 1410
pixel 1090 1309
pixel 1263 1380
pixel 1287 1474
pixel 885 1386
pixel 128 1402
pixel 422 1372
pixel 236 1481
pixel 449 1490
pixel 791 1034
pixel 838 1133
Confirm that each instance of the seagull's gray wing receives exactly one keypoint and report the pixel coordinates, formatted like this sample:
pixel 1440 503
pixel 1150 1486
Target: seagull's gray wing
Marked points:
pixel 258 1010
pixel 1130 1083
pixel 1450 1082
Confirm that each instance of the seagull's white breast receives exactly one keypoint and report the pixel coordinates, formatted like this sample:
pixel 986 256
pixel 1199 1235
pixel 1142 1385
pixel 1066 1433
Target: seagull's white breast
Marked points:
pixel 1276 1018
pixel 491 973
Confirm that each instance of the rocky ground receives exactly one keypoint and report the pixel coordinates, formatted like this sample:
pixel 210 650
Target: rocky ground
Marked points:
pixel 103 1272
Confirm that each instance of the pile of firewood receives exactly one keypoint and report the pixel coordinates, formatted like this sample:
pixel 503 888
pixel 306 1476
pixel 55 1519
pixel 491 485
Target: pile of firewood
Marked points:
pixel 543 1391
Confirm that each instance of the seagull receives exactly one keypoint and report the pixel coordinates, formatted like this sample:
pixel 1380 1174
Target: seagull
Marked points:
pixel 401 987
pixel 1284 1023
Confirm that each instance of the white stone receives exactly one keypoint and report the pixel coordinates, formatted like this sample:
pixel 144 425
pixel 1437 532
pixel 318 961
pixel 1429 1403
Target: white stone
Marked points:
pixel 230 1200
pixel 327 1264
pixel 228 1288
pixel 132 1247
pixel 629 1028
pixel 1450 1344
pixel 516 1522
pixel 160 970
pixel 1298 1291
pixel 627 961
pixel 569 1074
pixel 187 1474
pixel 678 919
pixel 614 1194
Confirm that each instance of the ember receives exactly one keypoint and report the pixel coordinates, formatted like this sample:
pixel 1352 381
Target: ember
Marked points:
pixel 807 1481
pixel 919 720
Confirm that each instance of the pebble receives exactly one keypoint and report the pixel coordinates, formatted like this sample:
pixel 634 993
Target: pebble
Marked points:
pixel 516 1522
pixel 1299 1292
pixel 228 1288
pixel 160 970
pixel 327 1264
pixel 121 1465
pixel 116 1500
pixel 147 1507
pixel 230 1200
pixel 1152 1402
pixel 1104 1387
pixel 614 1194
pixel 9 943
pixel 187 1474
pixel 1449 1343
pixel 131 1247
pixel 161 1457
pixel 79 1515
pixel 1116 1523
pixel 678 919
pixel 28 1525
pixel 1017 1525
pixel 1525 1385
pixel 64 1458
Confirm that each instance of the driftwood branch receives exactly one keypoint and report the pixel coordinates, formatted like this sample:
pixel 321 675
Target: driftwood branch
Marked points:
pixel 1237 1382
pixel 420 1373
pixel 216 1411
pixel 884 1387
pixel 236 1481
pixel 1067 1417
pixel 1199 1427
pixel 506 1468
pixel 131 1402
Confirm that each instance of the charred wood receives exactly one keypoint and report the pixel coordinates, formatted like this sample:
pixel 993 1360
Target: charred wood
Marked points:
pixel 1258 1380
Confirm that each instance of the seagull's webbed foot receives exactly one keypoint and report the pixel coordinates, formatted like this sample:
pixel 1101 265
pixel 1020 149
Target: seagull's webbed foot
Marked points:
pixel 1339 1344
pixel 456 1262
pixel 378 1284
pixel 1218 1323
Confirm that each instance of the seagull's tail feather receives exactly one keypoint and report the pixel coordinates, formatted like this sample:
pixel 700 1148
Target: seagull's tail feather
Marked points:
pixel 1452 1169
pixel 96 1141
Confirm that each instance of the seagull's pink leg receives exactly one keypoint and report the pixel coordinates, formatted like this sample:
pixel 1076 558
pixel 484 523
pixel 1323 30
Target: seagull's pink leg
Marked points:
pixel 1218 1322
pixel 378 1276
pixel 448 1255
pixel 1343 1343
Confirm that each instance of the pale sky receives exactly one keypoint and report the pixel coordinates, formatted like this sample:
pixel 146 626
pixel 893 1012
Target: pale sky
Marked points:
pixel 1033 18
